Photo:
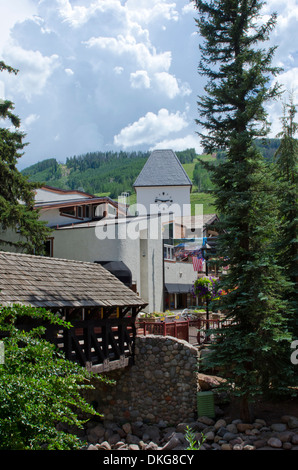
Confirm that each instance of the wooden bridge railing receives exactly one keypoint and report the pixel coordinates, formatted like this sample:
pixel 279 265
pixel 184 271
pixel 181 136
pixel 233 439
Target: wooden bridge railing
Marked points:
pixel 99 345
pixel 177 329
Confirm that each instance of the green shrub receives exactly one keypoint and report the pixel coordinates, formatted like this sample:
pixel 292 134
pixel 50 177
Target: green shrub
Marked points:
pixel 39 388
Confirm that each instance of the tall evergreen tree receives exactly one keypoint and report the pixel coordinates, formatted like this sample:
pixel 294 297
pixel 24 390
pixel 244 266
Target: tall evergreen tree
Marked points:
pixel 287 177
pixel 17 211
pixel 232 111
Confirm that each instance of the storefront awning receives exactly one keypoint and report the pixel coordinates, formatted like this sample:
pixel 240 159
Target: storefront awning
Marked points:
pixel 119 269
pixel 178 288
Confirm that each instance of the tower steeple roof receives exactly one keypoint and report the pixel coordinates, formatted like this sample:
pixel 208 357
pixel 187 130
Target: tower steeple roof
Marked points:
pixel 162 168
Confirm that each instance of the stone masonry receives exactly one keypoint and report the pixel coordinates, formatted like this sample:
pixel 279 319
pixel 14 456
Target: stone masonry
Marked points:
pixel 161 385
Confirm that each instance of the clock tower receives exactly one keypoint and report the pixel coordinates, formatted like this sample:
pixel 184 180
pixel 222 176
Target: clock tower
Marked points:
pixel 163 185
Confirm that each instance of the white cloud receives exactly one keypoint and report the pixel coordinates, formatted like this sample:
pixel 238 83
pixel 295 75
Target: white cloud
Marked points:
pixel 144 55
pixel 182 143
pixel 140 79
pixel 29 120
pixel 143 11
pixel 167 84
pixel 69 72
pixel 151 128
pixel 78 15
pixel 34 70
pixel 9 16
pixel 189 8
pixel 289 80
pixel 118 70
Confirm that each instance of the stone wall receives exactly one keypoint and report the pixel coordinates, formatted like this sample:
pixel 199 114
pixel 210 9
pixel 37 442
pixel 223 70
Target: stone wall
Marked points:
pixel 161 386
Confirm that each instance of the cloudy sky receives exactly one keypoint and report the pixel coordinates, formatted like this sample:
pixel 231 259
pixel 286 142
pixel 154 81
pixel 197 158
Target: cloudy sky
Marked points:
pixel 114 74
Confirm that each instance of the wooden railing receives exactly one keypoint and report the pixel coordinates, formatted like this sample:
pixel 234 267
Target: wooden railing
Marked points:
pixel 98 345
pixel 207 328
pixel 177 329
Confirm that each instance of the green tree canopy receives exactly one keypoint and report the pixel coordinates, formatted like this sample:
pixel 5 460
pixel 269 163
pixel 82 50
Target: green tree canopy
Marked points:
pixel 39 388
pixel 239 68
pixel 17 211
pixel 286 174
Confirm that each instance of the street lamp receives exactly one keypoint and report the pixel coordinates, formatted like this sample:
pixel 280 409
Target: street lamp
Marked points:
pixel 205 248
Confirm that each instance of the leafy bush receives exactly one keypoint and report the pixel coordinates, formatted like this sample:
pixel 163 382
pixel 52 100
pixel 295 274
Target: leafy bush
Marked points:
pixel 39 388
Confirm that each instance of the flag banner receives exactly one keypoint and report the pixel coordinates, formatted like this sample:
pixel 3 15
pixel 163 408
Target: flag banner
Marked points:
pixel 198 263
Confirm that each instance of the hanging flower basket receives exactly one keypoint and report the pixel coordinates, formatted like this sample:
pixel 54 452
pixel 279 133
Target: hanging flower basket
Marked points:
pixel 206 288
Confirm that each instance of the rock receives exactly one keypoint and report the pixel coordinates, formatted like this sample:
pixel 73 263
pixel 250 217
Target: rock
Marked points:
pixel 292 422
pixel 262 422
pixel 249 447
pixel 120 445
pixel 172 443
pixel 133 447
pixel 92 447
pixel 104 446
pixel 226 447
pixel 208 382
pixel 114 439
pixel 222 431
pixel 221 423
pixel 228 436
pixel 260 443
pixel 206 420
pixel 232 428
pixel 151 446
pixel 278 427
pixel 132 439
pixel 242 427
pixel 152 433
pixel 274 442
pixel 182 427
pixel 287 446
pixel 209 436
pixel 215 446
pixel 236 441
pixel 285 436
pixel 295 439
pixel 127 428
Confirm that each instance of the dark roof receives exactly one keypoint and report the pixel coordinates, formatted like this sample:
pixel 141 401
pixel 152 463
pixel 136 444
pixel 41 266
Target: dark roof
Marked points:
pixel 53 283
pixel 163 168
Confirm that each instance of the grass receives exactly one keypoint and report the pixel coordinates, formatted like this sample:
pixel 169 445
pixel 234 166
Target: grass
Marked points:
pixel 207 199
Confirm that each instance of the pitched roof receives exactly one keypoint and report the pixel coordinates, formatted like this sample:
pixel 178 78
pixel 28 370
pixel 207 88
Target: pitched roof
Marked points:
pixel 53 283
pixel 163 168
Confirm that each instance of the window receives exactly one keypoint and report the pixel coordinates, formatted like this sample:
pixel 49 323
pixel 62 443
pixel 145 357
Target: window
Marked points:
pixel 49 244
pixel 70 211
pixel 80 212
pixel 168 252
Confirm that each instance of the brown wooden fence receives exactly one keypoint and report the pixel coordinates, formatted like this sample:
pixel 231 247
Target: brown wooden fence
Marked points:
pixel 207 328
pixel 177 329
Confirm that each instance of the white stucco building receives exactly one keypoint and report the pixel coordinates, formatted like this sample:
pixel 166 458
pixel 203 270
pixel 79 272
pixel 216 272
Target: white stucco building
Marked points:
pixel 139 249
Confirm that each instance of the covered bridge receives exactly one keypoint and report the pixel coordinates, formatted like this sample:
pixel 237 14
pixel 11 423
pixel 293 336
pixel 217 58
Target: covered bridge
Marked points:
pixel 100 308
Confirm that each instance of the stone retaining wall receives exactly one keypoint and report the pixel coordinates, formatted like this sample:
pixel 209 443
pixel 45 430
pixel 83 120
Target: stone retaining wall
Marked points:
pixel 161 386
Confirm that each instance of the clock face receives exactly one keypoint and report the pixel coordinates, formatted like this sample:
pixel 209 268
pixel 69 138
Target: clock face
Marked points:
pixel 164 199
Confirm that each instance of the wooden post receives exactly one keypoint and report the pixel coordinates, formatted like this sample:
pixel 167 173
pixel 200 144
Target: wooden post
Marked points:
pixel 87 342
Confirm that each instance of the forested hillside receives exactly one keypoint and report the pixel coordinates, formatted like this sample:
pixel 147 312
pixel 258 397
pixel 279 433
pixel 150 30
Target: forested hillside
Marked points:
pixel 96 172
pixel 111 173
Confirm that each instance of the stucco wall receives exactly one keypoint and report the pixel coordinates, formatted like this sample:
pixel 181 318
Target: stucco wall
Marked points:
pixel 179 273
pixel 143 256
pixel 162 385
